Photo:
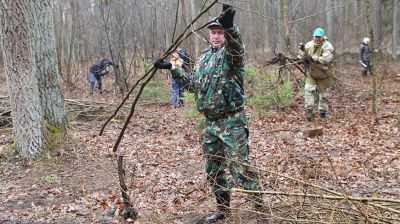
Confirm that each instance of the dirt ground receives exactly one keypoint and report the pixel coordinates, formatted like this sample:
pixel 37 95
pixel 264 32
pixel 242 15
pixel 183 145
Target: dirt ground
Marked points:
pixel 164 163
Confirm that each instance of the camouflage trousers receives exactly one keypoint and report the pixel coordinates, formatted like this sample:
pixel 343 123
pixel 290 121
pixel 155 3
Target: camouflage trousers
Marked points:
pixel 317 93
pixel 225 147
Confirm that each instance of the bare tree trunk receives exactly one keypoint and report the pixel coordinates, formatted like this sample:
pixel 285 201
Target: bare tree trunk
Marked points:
pixel 105 14
pixel 68 75
pixel 395 29
pixel 59 38
pixel 285 20
pixel 280 46
pixel 44 49
pixel 121 47
pixel 22 82
pixel 167 40
pixel 196 39
pixel 376 22
pixel 373 59
pixel 329 18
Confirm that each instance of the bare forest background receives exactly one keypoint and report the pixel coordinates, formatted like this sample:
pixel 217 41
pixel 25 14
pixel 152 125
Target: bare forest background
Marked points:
pixel 133 32
pixel 347 174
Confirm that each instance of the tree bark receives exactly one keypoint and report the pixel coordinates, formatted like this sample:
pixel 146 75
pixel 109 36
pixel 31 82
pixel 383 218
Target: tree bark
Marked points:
pixel 196 40
pixel 22 82
pixel 373 58
pixel 329 18
pixel 286 29
pixel 376 22
pixel 44 49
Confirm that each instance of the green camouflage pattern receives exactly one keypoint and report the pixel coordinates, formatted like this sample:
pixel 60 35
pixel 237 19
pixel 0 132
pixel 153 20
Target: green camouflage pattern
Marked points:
pixel 218 79
pixel 319 75
pixel 225 146
pixel 218 87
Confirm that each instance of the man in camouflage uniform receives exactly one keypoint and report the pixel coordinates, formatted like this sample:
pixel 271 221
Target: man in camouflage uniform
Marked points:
pixel 318 58
pixel 218 87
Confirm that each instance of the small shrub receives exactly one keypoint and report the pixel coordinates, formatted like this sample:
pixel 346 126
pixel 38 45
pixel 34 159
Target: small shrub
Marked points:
pixel 266 93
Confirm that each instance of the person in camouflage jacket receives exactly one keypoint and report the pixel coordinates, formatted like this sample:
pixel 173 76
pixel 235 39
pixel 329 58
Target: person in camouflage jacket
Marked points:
pixel 218 87
pixel 318 58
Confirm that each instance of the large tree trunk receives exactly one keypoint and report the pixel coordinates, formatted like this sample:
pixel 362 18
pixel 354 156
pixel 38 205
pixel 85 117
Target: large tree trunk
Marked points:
pixel 44 49
pixel 21 79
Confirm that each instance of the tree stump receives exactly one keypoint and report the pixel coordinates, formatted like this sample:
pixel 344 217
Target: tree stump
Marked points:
pixel 313 132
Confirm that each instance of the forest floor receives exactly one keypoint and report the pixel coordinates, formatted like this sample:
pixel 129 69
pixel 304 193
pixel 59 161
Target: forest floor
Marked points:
pixel 357 156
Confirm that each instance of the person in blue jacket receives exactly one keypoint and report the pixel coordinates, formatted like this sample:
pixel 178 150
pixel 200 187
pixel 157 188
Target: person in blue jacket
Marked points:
pixel 97 71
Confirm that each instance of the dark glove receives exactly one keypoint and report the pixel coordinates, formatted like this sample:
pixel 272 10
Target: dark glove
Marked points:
pixel 308 59
pixel 162 64
pixel 226 20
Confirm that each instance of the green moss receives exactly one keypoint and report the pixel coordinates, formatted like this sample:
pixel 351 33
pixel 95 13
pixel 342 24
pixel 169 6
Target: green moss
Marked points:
pixel 55 138
pixel 14 145
pixel 53 178
pixel 9 152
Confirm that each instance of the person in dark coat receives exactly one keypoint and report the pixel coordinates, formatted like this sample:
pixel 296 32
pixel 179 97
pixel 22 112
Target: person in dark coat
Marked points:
pixel 365 56
pixel 97 71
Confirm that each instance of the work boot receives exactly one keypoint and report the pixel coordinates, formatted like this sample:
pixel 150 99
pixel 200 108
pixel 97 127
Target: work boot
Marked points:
pixel 309 115
pixel 322 114
pixel 223 210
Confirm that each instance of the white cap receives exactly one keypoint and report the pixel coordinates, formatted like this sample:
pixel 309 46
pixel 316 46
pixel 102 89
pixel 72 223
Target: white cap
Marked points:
pixel 366 40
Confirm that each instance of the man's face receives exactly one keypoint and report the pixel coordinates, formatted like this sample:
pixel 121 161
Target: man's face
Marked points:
pixel 217 36
pixel 318 39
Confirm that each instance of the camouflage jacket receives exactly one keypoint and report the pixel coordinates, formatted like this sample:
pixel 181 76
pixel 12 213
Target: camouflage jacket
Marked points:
pixel 323 54
pixel 218 78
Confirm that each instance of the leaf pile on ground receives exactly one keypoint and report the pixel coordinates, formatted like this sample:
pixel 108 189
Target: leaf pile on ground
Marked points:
pixel 357 155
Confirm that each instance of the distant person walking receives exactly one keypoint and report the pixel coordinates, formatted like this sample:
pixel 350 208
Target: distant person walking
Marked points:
pixel 365 56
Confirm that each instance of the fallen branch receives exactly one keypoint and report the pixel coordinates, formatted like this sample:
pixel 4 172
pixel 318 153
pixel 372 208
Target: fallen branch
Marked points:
pixel 323 196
